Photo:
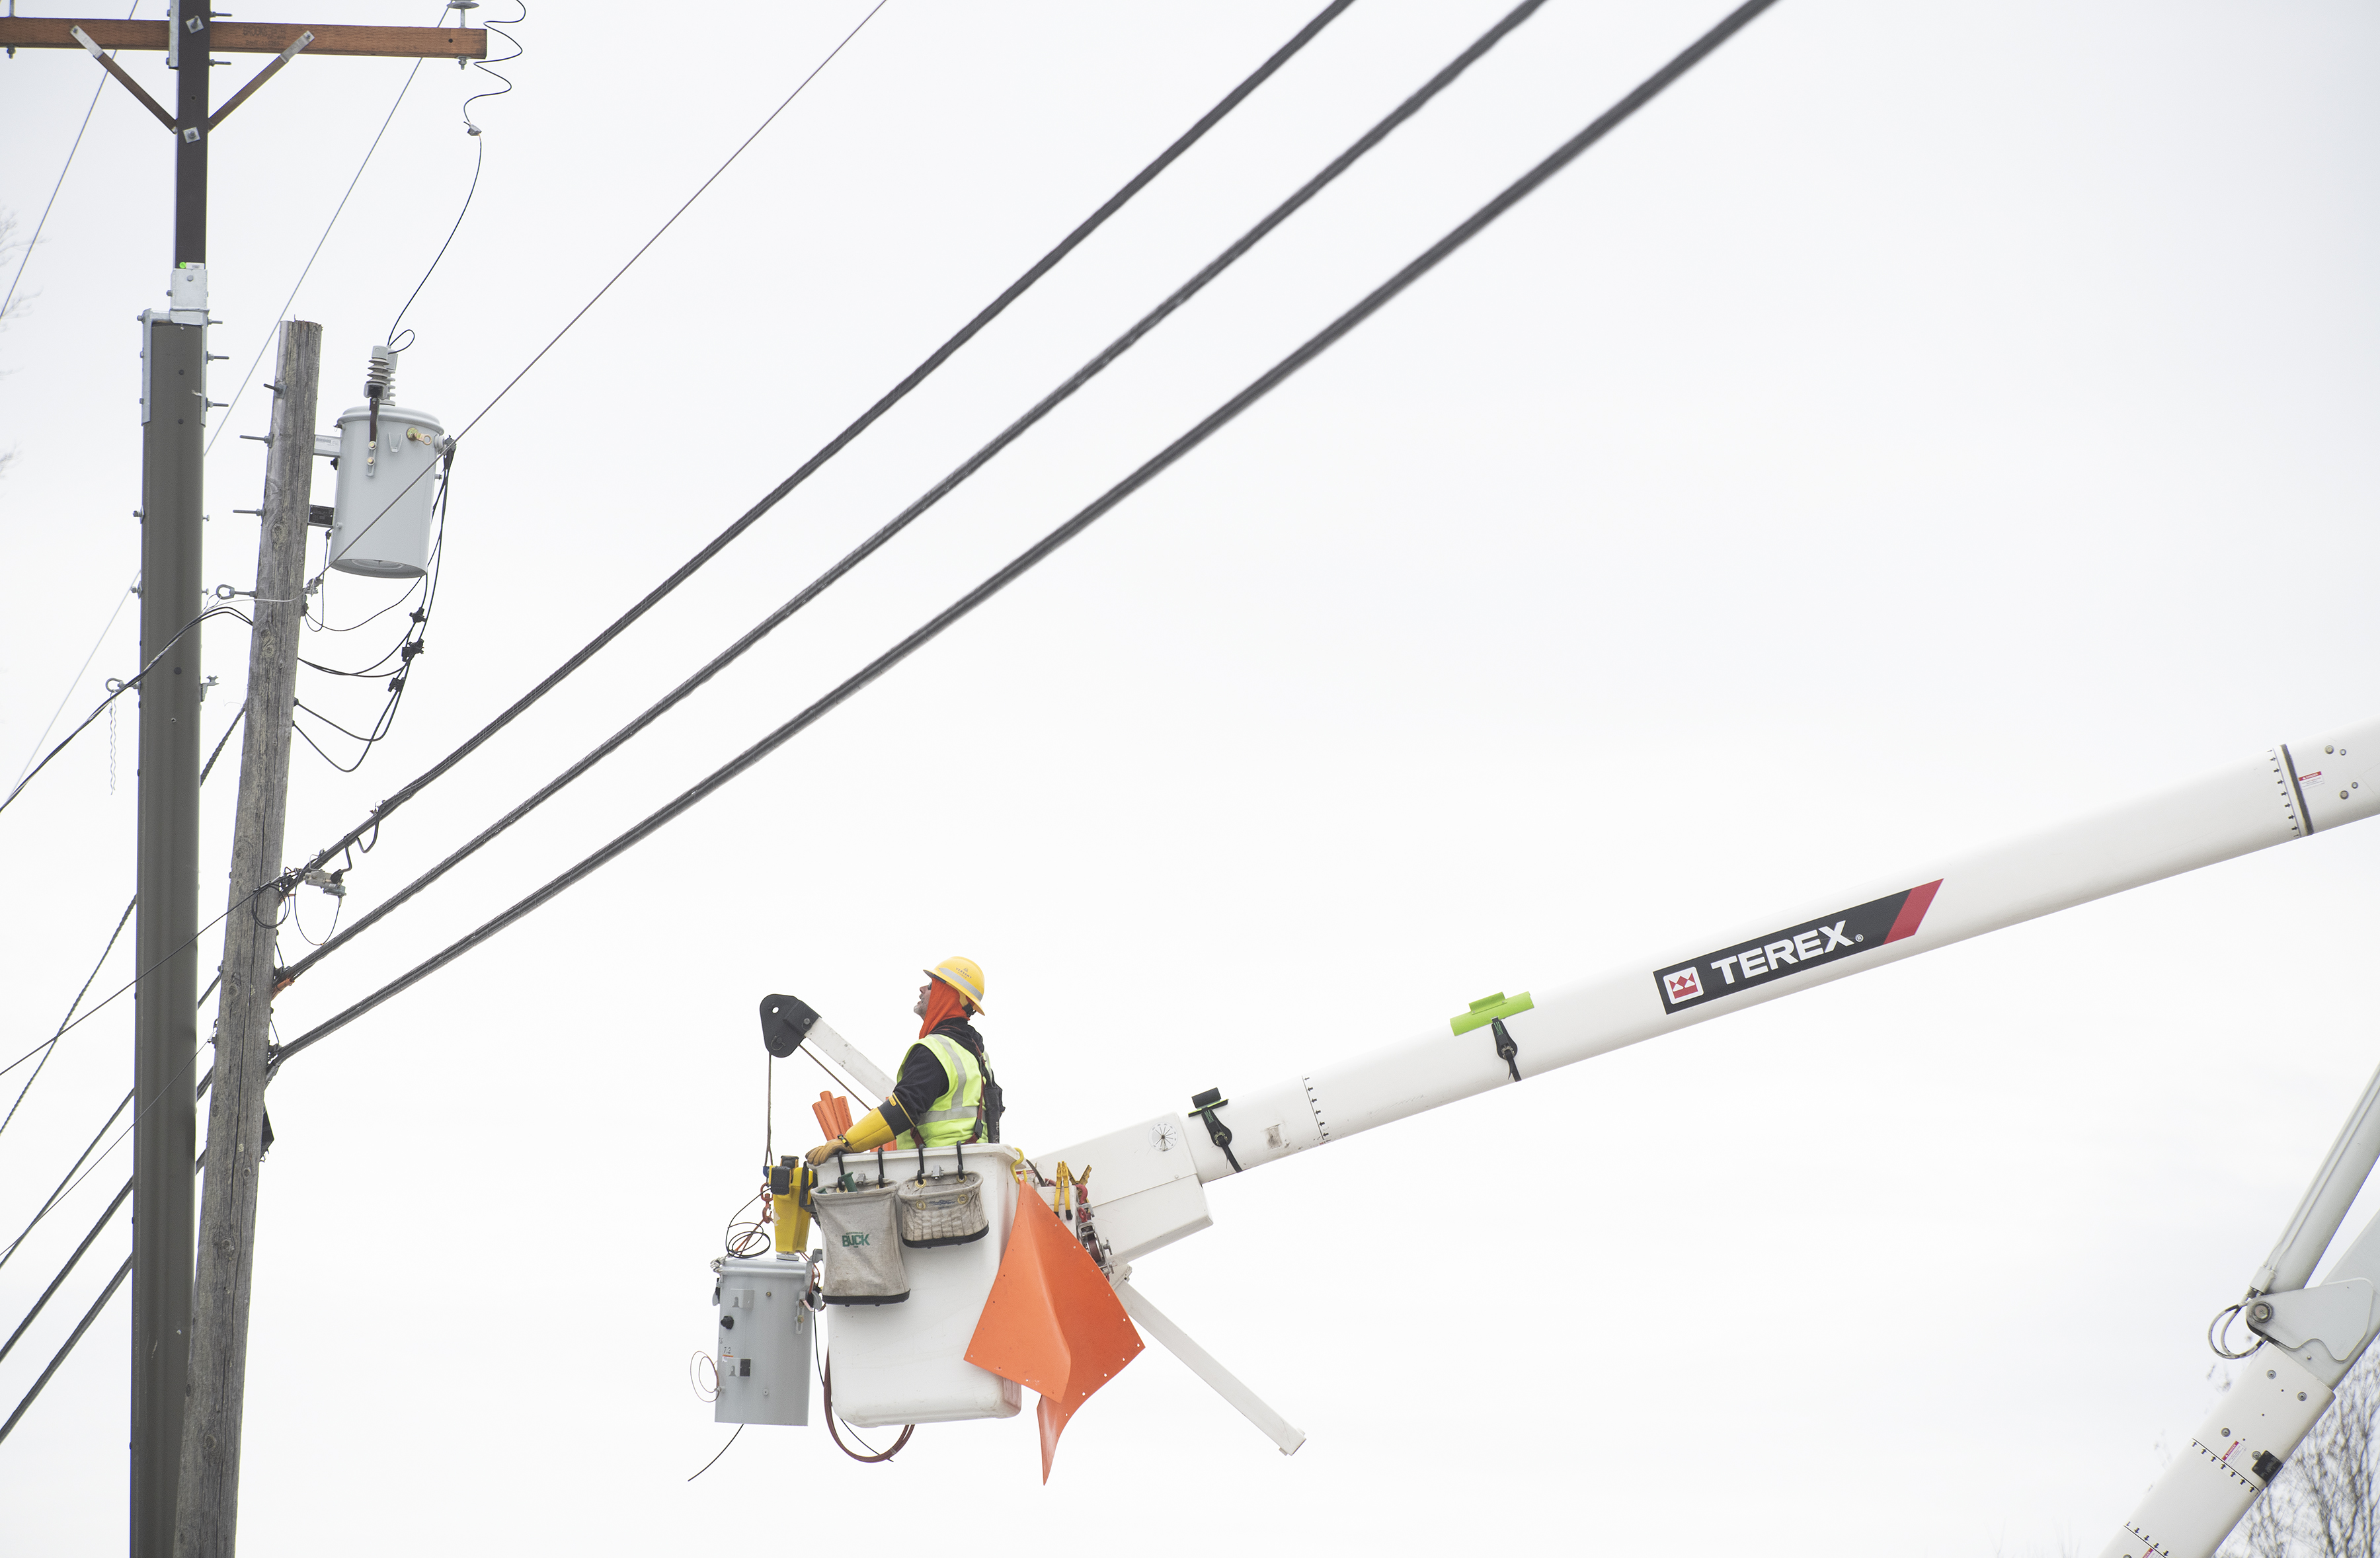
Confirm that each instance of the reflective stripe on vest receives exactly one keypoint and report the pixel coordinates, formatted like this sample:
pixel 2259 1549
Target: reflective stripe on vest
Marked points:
pixel 958 1113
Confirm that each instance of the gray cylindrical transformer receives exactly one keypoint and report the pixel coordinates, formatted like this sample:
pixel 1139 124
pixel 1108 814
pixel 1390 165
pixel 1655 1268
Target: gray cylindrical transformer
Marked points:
pixel 381 526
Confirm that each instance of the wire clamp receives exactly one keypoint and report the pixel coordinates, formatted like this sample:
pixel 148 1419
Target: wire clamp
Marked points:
pixel 1490 1012
pixel 1203 1107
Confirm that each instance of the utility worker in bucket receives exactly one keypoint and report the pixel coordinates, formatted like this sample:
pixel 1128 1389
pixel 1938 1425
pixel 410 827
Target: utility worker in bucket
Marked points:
pixel 945 1092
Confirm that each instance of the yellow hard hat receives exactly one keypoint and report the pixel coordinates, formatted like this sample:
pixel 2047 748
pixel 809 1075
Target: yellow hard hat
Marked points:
pixel 961 975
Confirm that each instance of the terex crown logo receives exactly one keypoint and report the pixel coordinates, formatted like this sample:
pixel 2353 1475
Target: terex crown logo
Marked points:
pixel 1828 939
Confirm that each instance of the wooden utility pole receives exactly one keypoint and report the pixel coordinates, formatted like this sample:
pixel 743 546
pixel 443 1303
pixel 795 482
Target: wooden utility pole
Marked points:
pixel 207 1507
pixel 174 405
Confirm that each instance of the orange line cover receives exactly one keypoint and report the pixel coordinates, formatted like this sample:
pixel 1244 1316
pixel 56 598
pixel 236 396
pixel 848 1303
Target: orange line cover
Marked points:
pixel 1053 1323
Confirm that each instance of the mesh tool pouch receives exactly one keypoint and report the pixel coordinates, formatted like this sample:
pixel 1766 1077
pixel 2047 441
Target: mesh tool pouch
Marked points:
pixel 863 1246
pixel 945 1209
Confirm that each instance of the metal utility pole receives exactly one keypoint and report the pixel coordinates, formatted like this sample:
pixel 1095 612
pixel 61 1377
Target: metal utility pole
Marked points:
pixel 207 1511
pixel 173 414
pixel 165 1140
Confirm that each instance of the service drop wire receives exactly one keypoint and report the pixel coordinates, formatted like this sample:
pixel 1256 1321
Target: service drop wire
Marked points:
pixel 607 286
pixel 49 1045
pixel 66 1188
pixel 117 691
pixel 51 1048
pixel 942 488
pixel 26 1403
pixel 249 377
pixel 284 881
pixel 885 403
pixel 1421 265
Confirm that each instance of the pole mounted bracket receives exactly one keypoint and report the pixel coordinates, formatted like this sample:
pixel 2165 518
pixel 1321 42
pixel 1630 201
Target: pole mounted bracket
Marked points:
pixel 1489 1011
pixel 296 47
pixel 130 85
pixel 1202 1107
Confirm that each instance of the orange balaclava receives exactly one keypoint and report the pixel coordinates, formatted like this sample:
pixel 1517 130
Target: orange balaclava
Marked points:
pixel 942 1003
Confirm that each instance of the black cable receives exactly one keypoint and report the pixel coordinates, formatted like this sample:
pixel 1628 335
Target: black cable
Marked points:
pixel 1024 561
pixel 92 1313
pixel 739 1427
pixel 64 1191
pixel 892 397
pixel 299 923
pixel 623 271
pixel 407 649
pixel 481 157
pixel 249 377
pixel 942 488
pixel 49 1045
pixel 118 692
pixel 54 1195
pixel 56 1282
pixel 121 922
pixel 324 625
pixel 283 880
pixel 224 741
pixel 64 169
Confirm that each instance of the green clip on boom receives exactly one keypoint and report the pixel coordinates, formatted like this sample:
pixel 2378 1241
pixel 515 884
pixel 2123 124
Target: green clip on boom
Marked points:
pixel 1490 1011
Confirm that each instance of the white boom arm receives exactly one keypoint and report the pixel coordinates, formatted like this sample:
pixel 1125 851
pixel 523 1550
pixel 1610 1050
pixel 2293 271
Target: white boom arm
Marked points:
pixel 2296 789
pixel 2299 788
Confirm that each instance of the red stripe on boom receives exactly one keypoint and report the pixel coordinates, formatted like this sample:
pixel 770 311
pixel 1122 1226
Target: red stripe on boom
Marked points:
pixel 1912 910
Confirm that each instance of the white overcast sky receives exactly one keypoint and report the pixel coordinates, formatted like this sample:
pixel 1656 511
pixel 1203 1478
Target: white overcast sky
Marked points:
pixel 1923 424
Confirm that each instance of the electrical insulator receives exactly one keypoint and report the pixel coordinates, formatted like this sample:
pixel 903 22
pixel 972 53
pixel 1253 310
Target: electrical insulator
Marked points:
pixel 388 463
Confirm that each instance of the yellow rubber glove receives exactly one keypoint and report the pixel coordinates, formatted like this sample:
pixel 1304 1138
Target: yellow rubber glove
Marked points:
pixel 865 1137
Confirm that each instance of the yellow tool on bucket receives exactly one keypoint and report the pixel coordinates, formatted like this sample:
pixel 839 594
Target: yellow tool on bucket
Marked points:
pixel 790 1183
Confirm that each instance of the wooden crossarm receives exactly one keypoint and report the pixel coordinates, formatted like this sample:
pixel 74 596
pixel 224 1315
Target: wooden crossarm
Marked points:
pixel 227 37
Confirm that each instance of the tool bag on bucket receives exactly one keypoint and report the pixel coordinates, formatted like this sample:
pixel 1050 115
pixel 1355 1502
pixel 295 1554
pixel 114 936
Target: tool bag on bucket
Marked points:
pixel 945 1209
pixel 863 1246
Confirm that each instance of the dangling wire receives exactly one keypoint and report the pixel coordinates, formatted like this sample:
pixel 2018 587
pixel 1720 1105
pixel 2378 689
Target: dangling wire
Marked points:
pixel 723 1450
pixel 480 157
pixel 482 65
pixel 826 1389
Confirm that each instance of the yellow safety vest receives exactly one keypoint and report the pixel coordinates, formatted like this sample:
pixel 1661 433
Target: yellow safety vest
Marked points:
pixel 957 1115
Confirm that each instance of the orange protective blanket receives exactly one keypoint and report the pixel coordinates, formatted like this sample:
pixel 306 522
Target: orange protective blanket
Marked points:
pixel 1053 1323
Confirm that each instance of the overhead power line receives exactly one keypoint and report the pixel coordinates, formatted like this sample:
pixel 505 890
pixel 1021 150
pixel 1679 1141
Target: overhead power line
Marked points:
pixel 112 936
pixel 833 446
pixel 1421 265
pixel 307 268
pixel 76 679
pixel 89 1315
pixel 63 1272
pixel 942 488
pixel 52 1200
pixel 115 692
pixel 49 1046
pixel 567 324
pixel 64 169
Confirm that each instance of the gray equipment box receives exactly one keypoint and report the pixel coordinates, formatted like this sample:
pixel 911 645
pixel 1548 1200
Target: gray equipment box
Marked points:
pixel 765 1332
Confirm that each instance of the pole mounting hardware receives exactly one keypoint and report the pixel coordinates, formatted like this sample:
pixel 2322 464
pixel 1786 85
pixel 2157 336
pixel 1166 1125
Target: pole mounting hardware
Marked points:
pixel 1489 1011
pixel 1203 1107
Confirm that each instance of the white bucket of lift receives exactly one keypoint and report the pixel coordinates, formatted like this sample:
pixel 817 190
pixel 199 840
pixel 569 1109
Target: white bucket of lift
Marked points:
pixel 381 526
pixel 907 1362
